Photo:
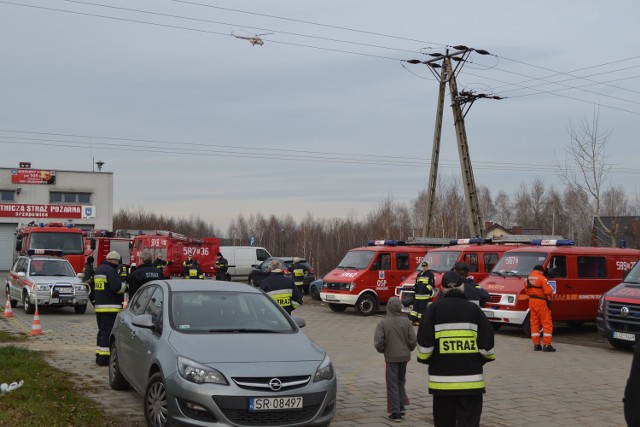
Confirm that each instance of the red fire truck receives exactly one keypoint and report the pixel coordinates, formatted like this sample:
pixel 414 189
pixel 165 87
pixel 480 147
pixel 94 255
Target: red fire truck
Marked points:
pixel 53 236
pixel 619 311
pixel 102 242
pixel 368 276
pixel 481 255
pixel 578 275
pixel 175 248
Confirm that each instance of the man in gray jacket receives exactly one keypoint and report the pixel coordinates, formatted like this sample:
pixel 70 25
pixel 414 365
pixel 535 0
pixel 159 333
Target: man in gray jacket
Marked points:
pixel 396 338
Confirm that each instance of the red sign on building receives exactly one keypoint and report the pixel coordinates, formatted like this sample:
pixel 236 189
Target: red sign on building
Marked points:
pixel 33 176
pixel 20 210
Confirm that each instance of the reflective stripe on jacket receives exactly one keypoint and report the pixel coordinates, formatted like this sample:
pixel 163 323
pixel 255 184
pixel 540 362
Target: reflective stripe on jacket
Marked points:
pixel 455 339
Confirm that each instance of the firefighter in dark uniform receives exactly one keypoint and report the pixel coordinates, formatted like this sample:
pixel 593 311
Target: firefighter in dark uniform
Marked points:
pixel 423 292
pixel 281 288
pixel 455 339
pixel 472 290
pixel 222 265
pixel 193 271
pixel 87 277
pixel 160 264
pixel 146 272
pixel 186 264
pixel 298 271
pixel 123 271
pixel 109 295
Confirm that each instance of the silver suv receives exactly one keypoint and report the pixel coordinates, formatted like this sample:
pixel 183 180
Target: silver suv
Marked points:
pixel 51 278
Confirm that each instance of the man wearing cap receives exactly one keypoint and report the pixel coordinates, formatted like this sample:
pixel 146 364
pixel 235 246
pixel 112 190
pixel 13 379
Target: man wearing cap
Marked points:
pixel 281 288
pixel 186 264
pixel 109 295
pixel 423 292
pixel 222 265
pixel 472 290
pixel 455 339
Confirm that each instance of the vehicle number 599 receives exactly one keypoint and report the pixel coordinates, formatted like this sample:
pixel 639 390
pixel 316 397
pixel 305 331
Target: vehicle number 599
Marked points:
pixel 271 403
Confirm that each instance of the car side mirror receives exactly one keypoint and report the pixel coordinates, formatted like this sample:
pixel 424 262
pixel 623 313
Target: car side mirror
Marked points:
pixel 21 274
pixel 299 321
pixel 143 321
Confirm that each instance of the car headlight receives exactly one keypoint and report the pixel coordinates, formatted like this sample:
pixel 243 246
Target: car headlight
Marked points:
pixel 324 371
pixel 42 287
pixel 81 288
pixel 198 373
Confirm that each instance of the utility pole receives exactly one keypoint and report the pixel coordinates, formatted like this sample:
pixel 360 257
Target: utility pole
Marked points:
pixel 458 100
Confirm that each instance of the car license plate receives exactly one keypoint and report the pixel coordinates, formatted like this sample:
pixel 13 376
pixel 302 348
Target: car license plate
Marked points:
pixel 330 297
pixel 275 403
pixel 624 336
pixel 489 313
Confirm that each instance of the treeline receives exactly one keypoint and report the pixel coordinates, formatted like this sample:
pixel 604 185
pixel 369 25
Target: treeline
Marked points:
pixel 324 241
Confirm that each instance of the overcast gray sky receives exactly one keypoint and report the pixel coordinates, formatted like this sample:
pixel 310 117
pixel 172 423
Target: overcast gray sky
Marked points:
pixel 324 117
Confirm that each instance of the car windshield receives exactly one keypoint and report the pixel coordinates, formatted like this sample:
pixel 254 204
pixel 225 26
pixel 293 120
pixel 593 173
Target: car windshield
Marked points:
pixel 227 312
pixel 441 261
pixel 518 264
pixel 68 243
pixel 45 267
pixel 634 274
pixel 357 260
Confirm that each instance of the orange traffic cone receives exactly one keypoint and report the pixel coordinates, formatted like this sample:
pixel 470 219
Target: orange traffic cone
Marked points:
pixel 7 309
pixel 125 303
pixel 36 329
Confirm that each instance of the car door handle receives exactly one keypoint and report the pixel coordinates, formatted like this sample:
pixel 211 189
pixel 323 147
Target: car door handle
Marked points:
pixel 133 334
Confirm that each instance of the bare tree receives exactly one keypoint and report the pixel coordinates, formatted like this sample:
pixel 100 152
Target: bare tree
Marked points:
pixel 585 167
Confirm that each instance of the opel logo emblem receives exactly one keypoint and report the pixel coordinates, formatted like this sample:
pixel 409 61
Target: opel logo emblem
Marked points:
pixel 624 311
pixel 275 384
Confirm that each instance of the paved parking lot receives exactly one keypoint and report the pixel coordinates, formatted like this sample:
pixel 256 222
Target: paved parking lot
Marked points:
pixel 580 385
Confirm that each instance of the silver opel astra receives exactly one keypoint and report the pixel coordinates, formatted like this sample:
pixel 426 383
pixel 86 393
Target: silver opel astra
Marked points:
pixel 209 353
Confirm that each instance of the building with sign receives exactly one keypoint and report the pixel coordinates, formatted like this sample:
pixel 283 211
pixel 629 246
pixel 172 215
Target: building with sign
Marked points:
pixel 42 196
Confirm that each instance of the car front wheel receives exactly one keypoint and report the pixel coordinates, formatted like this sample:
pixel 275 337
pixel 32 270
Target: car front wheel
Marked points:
pixel 337 307
pixel 28 307
pixel 314 292
pixel 367 305
pixel 156 402
pixel 80 309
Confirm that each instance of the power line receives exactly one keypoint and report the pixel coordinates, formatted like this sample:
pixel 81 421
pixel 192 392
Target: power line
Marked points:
pixel 268 154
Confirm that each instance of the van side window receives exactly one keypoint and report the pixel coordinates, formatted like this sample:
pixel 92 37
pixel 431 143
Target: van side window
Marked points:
pixel 472 261
pixel 558 267
pixel 592 267
pixel 402 261
pixel 489 261
pixel 261 254
pixel 382 262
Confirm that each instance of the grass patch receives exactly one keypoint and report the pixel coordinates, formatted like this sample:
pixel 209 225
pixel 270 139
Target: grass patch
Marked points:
pixel 47 397
pixel 11 337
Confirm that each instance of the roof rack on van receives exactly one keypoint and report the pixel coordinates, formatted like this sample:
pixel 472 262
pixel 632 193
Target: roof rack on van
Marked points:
pixel 428 241
pixel 521 239
pixel 472 241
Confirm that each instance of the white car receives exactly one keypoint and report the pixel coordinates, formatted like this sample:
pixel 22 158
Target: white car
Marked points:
pixel 51 278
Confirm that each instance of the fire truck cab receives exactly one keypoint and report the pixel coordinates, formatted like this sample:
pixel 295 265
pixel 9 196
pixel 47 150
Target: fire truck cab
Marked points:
pixel 176 248
pixel 579 276
pixel 368 276
pixel 54 236
pixel 619 311
pixel 481 255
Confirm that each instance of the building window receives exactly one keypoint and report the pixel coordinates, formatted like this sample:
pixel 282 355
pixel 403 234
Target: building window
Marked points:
pixel 7 196
pixel 59 197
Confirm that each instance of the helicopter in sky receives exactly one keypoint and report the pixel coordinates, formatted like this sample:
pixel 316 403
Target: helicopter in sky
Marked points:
pixel 254 40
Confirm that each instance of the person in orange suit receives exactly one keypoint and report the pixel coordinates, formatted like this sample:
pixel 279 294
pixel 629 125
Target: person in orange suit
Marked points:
pixel 539 292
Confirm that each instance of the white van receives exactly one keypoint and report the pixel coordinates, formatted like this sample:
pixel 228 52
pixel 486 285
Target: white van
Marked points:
pixel 241 259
